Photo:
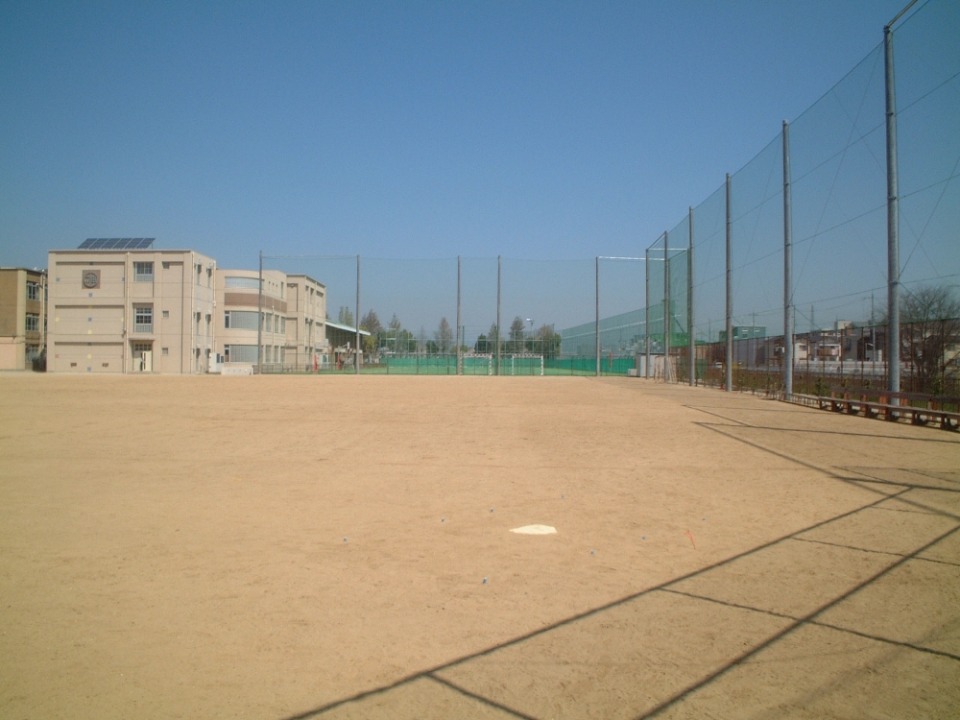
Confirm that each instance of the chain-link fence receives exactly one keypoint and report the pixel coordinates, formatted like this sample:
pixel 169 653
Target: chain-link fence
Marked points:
pixel 468 316
pixel 780 280
pixel 846 225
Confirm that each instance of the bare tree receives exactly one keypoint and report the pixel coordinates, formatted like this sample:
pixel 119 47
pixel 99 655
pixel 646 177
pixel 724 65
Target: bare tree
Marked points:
pixel 493 336
pixel 516 334
pixel 444 336
pixel 930 331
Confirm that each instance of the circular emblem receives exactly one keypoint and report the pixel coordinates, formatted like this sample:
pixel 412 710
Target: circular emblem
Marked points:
pixel 91 279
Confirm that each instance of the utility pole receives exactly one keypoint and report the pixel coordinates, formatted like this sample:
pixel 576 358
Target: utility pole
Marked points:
pixel 728 379
pixel 789 321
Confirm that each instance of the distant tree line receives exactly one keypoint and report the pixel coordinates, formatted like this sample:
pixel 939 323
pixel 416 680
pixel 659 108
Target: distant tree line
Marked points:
pixel 395 338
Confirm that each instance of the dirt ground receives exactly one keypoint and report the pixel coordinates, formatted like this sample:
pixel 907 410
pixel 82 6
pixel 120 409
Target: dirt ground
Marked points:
pixel 339 547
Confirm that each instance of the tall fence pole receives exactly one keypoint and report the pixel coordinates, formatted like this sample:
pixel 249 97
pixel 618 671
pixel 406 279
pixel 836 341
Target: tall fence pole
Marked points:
pixel 893 217
pixel 646 312
pixel 691 340
pixel 459 338
pixel 597 308
pixel 728 374
pixel 666 307
pixel 787 268
pixel 260 318
pixel 356 353
pixel 498 313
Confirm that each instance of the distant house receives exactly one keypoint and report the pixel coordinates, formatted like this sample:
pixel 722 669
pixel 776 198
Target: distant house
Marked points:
pixel 22 300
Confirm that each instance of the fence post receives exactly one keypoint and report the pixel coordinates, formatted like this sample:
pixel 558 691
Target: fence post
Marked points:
pixel 893 217
pixel 666 307
pixel 646 312
pixel 498 314
pixel 356 352
pixel 260 318
pixel 787 269
pixel 597 308
pixel 728 378
pixel 691 340
pixel 459 339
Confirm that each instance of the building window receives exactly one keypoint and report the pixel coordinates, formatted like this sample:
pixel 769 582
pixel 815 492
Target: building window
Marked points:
pixel 240 353
pixel 141 347
pixel 33 291
pixel 250 283
pixel 33 322
pixel 166 314
pixel 240 319
pixel 164 351
pixel 143 319
pixel 143 272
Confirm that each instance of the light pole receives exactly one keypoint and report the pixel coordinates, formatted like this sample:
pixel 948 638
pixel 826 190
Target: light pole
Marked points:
pixel 530 320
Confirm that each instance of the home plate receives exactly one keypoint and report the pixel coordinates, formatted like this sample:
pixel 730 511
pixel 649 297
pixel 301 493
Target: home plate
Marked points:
pixel 534 530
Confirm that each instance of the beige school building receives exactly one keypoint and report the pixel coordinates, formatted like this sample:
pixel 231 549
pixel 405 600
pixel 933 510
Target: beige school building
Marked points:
pixel 138 309
pixel 287 321
pixel 122 311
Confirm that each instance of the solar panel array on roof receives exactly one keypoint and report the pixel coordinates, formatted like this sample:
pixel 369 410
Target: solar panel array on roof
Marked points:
pixel 116 244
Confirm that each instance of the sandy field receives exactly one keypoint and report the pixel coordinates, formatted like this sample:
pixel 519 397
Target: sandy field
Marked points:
pixel 339 547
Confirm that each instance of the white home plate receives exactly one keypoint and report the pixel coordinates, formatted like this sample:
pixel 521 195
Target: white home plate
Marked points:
pixel 534 530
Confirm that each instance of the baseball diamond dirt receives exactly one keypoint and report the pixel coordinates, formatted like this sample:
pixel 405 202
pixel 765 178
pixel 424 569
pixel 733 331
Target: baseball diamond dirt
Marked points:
pixel 340 547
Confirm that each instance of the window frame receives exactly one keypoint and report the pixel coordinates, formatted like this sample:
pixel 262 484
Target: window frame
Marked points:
pixel 139 313
pixel 140 273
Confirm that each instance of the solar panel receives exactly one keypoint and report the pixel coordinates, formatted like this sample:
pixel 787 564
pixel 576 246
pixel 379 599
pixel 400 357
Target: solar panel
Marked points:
pixel 116 244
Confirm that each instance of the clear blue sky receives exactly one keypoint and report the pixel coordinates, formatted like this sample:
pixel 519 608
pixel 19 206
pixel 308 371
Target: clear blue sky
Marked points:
pixel 396 129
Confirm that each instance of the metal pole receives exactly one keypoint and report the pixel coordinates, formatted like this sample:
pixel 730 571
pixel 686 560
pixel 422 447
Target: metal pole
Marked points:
pixel 597 327
pixel 646 313
pixel 356 352
pixel 666 307
pixel 498 314
pixel 259 318
pixel 459 338
pixel 787 269
pixel 728 378
pixel 893 219
pixel 43 319
pixel 691 340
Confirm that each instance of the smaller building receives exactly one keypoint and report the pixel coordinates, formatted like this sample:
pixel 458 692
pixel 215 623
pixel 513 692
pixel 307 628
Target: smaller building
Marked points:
pixel 343 341
pixel 306 342
pixel 246 320
pixel 23 295
pixel 745 332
